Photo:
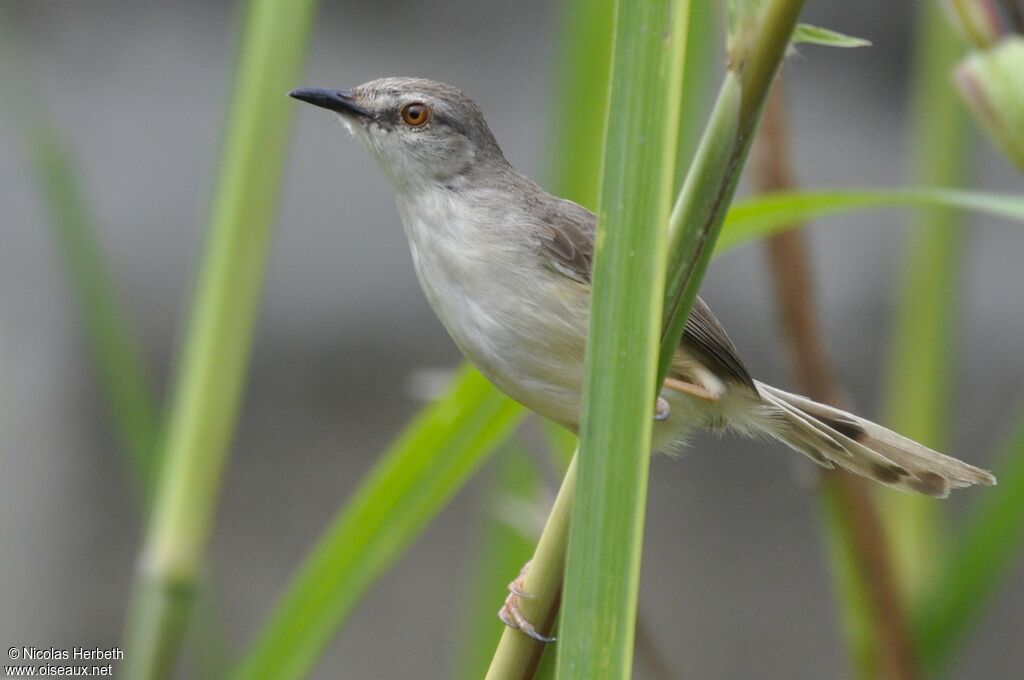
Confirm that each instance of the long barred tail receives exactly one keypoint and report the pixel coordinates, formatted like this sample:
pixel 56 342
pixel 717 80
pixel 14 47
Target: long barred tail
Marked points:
pixel 832 437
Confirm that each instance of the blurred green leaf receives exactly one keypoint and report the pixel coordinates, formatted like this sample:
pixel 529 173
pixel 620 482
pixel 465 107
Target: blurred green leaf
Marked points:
pixel 700 77
pixel 214 360
pixel 511 502
pixel 921 361
pixel 408 486
pixel 815 35
pixel 126 382
pixel 577 138
pixel 761 216
pixel 987 547
pixel 124 378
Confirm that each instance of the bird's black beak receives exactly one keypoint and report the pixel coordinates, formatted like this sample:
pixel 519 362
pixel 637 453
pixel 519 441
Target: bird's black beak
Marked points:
pixel 339 101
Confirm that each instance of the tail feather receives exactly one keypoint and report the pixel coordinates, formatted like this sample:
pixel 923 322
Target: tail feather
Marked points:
pixel 830 437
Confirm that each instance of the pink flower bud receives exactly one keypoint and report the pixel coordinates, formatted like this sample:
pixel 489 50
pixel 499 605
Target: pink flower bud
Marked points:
pixel 991 83
pixel 977 20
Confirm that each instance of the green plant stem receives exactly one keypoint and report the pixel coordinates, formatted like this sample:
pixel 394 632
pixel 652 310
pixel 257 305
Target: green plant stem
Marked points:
pixel 205 404
pixel 724 124
pixel 603 563
pixel 698 204
pixel 921 366
pixel 697 217
pixel 518 656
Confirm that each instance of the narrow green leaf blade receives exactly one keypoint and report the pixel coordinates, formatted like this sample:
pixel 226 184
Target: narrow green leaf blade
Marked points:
pixel 988 546
pixel 761 216
pixel 918 390
pixel 582 86
pixel 816 35
pixel 123 375
pixel 408 487
pixel 126 382
pixel 603 564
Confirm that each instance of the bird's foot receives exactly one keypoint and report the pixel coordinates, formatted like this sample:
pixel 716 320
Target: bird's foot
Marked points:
pixel 510 614
pixel 662 410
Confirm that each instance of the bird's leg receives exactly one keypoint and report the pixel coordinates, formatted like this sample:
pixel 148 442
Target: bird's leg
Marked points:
pixel 510 614
pixel 662 410
pixel 692 389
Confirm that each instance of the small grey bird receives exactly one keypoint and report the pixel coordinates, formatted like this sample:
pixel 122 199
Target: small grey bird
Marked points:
pixel 506 267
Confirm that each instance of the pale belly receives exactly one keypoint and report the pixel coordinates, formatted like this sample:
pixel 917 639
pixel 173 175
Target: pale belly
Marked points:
pixel 523 330
pixel 520 323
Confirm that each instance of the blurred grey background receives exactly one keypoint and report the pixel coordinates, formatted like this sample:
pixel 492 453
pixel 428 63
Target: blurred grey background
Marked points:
pixel 735 583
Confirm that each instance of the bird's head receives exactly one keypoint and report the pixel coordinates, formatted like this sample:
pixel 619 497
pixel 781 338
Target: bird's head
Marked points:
pixel 421 132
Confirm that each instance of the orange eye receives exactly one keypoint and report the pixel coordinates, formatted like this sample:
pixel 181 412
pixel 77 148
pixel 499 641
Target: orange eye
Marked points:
pixel 415 114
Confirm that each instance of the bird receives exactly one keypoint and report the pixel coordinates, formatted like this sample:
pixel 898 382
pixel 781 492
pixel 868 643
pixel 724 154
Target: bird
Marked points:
pixel 507 268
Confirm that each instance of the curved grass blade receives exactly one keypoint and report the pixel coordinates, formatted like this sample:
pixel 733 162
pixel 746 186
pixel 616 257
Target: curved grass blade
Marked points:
pixel 761 216
pixel 123 375
pixel 816 35
pixel 410 484
pixel 987 547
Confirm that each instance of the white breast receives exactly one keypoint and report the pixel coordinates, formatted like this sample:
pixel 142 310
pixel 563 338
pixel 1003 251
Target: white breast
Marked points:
pixel 521 324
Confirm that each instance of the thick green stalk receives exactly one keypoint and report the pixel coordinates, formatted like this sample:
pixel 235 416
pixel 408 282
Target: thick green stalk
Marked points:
pixel 518 656
pixel 699 204
pixel 603 563
pixel 215 356
pixel 921 366
pixel 703 167
pixel 700 209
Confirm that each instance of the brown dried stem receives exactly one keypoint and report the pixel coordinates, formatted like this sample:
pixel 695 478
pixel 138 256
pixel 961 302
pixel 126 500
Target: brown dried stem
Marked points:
pixel 793 280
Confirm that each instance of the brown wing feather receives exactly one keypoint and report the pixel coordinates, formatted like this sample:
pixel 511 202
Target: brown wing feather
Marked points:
pixel 566 236
pixel 704 336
